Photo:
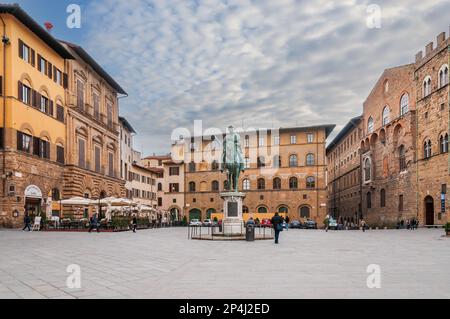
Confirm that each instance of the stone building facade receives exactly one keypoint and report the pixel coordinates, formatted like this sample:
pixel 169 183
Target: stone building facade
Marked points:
pixel 344 173
pixel 32 131
pixel 405 163
pixel 433 122
pixel 170 184
pixel 388 149
pixel 285 172
pixel 92 123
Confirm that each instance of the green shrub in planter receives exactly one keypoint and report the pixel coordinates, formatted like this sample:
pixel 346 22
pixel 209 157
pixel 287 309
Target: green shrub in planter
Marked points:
pixel 447 229
pixel 185 221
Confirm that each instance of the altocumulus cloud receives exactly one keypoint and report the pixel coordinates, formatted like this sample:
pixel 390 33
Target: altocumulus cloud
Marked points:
pixel 266 62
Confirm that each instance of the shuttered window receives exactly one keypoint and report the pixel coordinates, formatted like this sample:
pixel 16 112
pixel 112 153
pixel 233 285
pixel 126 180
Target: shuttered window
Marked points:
pixel 60 113
pixel 24 142
pixel 24 93
pixel 97 158
pixel 80 94
pixel 96 99
pixel 81 153
pixel 111 164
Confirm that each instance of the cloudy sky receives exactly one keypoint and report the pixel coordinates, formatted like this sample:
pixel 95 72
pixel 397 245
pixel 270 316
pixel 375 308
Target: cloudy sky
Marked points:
pixel 261 63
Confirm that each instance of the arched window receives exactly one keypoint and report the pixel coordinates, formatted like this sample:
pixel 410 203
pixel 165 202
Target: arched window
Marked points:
pixel 215 186
pixel 262 210
pixel 261 184
pixel 293 161
pixel 215 166
pixel 261 162
pixel 283 210
pixel 402 158
pixel 293 183
pixel 159 187
pixel 383 198
pixel 305 212
pixel 404 104
pixel 310 182
pixel 369 200
pixel 386 115
pixel 443 76
pixel 370 125
pixel 191 187
pixel 367 170
pixel 246 184
pixel 276 161
pixel 443 142
pixel 276 183
pixel 310 160
pixel 427 149
pixel 427 86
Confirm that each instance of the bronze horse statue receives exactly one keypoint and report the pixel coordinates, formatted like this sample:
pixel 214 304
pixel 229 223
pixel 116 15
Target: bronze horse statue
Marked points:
pixel 232 159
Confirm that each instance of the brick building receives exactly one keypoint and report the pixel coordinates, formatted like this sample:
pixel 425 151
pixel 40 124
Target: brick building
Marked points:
pixel 388 149
pixel 344 173
pixel 405 163
pixel 433 122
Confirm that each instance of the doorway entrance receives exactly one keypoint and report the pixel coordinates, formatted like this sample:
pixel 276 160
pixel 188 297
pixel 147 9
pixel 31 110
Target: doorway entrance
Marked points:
pixel 429 210
pixel 33 200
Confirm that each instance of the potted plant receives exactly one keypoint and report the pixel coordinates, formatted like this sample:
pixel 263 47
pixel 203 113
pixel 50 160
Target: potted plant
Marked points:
pixel 447 229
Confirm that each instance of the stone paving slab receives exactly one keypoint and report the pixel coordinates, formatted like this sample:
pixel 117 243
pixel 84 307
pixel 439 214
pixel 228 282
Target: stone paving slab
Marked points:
pixel 163 263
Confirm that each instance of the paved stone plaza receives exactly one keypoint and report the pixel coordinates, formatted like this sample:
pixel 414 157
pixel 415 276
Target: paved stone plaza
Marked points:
pixel 165 264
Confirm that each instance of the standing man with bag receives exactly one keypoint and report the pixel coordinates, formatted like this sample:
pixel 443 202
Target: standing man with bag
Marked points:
pixel 277 223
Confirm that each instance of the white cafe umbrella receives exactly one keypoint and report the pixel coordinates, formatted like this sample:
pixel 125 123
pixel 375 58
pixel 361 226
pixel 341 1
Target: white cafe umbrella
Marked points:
pixel 77 201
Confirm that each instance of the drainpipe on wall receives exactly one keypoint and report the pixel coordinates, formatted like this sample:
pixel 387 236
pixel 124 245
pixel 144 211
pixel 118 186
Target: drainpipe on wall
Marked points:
pixel 5 42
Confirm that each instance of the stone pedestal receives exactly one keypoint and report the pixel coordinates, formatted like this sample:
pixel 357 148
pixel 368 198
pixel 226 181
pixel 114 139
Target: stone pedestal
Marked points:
pixel 233 222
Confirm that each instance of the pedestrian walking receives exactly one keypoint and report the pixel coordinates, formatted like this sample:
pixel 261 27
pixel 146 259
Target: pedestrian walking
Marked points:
pixel 363 225
pixel 277 223
pixel 326 222
pixel 287 222
pixel 408 224
pixel 27 222
pixel 93 223
pixel 134 223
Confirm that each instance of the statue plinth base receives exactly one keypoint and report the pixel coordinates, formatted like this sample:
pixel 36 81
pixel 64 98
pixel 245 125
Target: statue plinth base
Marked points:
pixel 233 222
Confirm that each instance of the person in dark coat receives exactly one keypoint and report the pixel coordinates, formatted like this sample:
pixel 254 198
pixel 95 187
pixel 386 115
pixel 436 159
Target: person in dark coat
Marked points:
pixel 27 222
pixel 94 223
pixel 277 223
pixel 287 220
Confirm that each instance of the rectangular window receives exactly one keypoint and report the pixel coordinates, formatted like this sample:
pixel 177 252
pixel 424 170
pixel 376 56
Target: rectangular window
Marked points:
pixel 276 140
pixel 310 138
pixel 24 93
pixel 24 52
pixel 247 141
pixel 97 157
pixel 81 153
pixel 109 115
pixel 174 171
pixel 60 154
pixel 42 65
pixel 174 188
pixel 44 105
pixel 60 113
pixel 96 99
pixel 23 142
pixel 293 139
pixel 261 141
pixel 160 201
pixel 80 95
pixel 400 203
pixel 45 149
